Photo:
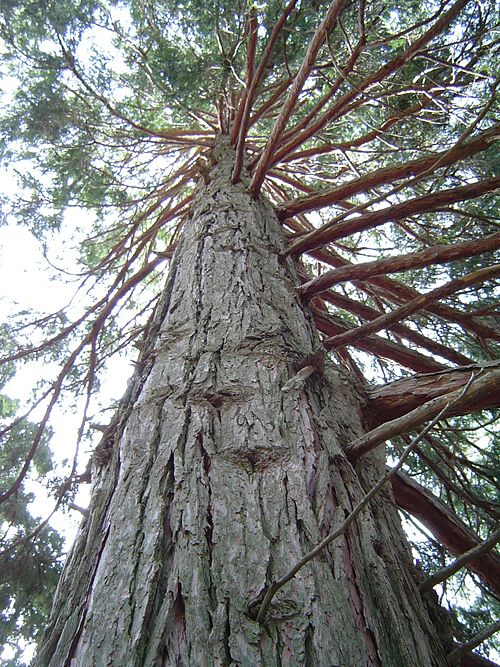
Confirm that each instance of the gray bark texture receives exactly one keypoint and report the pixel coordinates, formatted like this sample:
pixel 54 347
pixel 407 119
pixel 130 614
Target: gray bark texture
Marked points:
pixel 225 468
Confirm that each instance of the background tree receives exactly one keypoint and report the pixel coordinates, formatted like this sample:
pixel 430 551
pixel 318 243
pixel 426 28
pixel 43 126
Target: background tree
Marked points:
pixel 29 568
pixel 368 131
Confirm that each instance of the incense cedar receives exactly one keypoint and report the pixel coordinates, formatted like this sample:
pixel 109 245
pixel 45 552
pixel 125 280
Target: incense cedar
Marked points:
pixel 293 235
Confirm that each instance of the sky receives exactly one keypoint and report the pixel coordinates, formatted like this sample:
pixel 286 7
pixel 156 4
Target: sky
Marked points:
pixel 27 281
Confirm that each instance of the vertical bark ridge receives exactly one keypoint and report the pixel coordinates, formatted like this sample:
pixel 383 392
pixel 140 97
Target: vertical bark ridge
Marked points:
pixel 225 471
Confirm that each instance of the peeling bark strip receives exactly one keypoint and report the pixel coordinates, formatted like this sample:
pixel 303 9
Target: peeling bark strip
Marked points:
pixel 225 474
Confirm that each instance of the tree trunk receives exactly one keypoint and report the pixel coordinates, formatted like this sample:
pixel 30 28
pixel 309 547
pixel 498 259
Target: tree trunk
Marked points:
pixel 225 469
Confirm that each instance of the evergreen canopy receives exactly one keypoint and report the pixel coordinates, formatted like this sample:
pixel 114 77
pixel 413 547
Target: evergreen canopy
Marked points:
pixel 372 129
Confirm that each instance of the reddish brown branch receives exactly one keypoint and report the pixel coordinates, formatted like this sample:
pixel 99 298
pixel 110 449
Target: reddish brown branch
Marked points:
pixel 439 254
pixel 399 314
pixel 367 313
pixel 389 174
pixel 242 123
pixel 364 139
pixel 334 88
pixel 396 292
pixel 253 27
pixel 271 101
pixel 418 362
pixel 446 527
pixel 416 206
pixel 307 64
pixel 289 180
pixel 486 384
pixel 237 125
pixel 97 325
pixel 397 398
pixel 382 73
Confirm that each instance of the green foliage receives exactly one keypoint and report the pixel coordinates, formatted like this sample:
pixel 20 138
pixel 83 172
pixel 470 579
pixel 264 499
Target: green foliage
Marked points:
pixel 30 570
pixel 30 556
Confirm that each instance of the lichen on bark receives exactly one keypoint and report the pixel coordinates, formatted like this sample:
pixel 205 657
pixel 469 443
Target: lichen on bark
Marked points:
pixel 224 473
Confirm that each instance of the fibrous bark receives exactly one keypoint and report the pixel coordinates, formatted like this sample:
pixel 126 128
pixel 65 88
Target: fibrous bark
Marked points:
pixel 397 398
pixel 225 467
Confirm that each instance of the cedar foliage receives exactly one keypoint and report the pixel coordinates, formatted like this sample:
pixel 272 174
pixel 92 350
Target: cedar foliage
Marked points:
pixel 370 127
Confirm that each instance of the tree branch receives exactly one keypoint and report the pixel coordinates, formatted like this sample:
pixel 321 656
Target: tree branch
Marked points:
pixel 458 563
pixel 415 206
pixel 478 638
pixel 400 397
pixel 475 660
pixel 438 254
pixel 388 175
pixel 368 313
pixel 317 41
pixel 483 384
pixel 446 527
pixel 242 122
pixel 382 73
pixel 399 293
pixel 386 349
pixel 401 313
pixel 363 139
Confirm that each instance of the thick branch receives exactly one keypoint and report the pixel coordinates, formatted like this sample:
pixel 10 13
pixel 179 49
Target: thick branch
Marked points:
pixel 478 638
pixel 476 660
pixel 307 64
pixel 439 254
pixel 242 124
pixel 368 313
pixel 347 69
pixel 323 149
pixel 397 398
pixel 416 206
pixel 265 107
pixel 483 384
pixel 446 527
pixel 388 175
